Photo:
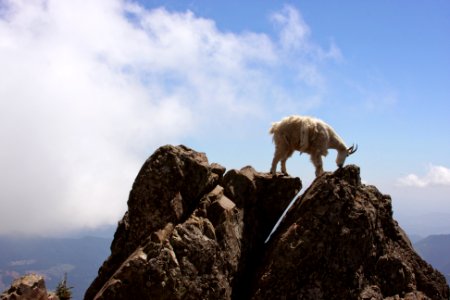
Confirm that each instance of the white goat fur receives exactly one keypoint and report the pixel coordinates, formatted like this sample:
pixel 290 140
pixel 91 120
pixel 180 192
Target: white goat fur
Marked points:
pixel 307 135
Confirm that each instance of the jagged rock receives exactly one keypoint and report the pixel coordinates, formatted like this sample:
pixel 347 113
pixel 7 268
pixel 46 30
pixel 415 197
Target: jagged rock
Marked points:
pixel 166 190
pixel 263 198
pixel 193 231
pixel 186 261
pixel 184 234
pixel 339 241
pixel 28 287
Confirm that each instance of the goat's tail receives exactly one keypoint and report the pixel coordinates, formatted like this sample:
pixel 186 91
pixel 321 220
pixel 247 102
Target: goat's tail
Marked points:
pixel 274 127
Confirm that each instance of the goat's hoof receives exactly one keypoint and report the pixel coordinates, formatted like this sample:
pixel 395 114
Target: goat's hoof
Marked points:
pixel 276 175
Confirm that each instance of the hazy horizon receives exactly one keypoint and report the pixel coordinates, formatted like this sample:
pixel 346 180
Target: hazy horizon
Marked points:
pixel 89 89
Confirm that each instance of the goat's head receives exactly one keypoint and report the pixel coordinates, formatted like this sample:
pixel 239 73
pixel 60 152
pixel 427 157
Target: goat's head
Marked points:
pixel 342 155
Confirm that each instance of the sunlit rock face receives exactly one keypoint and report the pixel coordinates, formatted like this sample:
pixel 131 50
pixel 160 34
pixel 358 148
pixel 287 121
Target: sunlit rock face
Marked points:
pixel 28 287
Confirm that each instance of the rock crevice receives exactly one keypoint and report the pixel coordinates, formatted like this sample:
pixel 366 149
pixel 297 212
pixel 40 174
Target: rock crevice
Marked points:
pixel 193 231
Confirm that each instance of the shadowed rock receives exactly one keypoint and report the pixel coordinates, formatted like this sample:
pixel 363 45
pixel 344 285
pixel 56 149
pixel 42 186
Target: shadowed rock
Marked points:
pixel 184 235
pixel 166 190
pixel 263 199
pixel 339 241
pixel 193 232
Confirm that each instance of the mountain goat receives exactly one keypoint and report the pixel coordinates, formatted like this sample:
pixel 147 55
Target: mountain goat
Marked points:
pixel 307 135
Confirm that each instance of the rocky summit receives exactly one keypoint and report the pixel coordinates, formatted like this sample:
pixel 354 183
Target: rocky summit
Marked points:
pixel 193 231
pixel 339 241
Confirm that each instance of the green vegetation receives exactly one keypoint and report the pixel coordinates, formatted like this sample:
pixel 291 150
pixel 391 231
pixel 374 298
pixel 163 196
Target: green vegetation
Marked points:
pixel 62 290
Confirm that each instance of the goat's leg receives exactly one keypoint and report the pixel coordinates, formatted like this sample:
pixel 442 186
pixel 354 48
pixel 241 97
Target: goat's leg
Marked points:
pixel 316 159
pixel 276 158
pixel 283 155
pixel 283 161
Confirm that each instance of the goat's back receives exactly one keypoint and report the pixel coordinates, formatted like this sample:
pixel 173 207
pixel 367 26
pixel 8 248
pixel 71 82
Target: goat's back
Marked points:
pixel 295 123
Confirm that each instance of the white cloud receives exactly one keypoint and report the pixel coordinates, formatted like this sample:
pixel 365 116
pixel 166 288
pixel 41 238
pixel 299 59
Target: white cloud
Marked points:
pixel 436 176
pixel 298 50
pixel 293 29
pixel 90 87
pixel 295 34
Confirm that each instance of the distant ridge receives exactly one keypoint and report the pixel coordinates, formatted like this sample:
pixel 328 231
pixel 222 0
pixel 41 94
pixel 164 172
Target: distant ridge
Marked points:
pixel 435 249
pixel 52 257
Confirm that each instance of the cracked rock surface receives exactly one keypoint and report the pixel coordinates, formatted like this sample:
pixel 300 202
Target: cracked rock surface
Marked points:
pixel 193 231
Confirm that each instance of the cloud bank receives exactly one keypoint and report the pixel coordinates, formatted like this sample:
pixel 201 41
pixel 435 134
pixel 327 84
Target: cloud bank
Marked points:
pixel 436 176
pixel 88 87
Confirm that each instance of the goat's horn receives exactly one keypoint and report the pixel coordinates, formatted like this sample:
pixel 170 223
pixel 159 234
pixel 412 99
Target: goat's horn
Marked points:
pixel 352 149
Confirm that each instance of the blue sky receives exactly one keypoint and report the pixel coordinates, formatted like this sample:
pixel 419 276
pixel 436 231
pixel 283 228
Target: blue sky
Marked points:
pixel 90 89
